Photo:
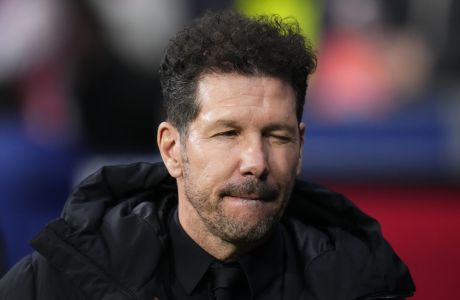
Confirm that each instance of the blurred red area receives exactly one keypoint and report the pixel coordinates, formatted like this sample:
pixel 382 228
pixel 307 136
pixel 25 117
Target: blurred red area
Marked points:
pixel 422 224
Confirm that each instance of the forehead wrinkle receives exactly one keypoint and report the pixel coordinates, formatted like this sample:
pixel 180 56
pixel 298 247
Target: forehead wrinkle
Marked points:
pixel 249 120
pixel 245 100
pixel 246 113
pixel 251 86
pixel 233 98
pixel 216 94
pixel 229 101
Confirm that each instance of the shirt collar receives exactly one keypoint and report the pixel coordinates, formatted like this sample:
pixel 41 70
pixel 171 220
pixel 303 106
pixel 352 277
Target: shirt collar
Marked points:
pixel 190 261
pixel 265 263
pixel 261 265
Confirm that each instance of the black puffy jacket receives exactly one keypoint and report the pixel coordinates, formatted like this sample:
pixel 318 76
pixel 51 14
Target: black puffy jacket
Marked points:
pixel 111 243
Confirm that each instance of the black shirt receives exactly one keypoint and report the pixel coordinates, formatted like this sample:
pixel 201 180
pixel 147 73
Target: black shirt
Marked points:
pixel 264 267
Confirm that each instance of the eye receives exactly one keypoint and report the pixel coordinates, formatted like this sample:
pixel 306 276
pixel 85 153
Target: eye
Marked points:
pixel 282 139
pixel 227 133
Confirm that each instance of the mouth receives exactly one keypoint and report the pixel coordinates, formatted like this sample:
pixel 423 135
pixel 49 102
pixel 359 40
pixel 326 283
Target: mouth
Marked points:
pixel 250 198
pixel 250 192
pixel 244 204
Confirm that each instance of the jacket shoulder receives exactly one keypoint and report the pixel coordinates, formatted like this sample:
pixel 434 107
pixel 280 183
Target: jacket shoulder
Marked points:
pixel 349 251
pixel 34 278
pixel 19 281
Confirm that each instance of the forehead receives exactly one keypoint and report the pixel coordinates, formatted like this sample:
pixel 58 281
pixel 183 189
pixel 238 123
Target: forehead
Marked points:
pixel 227 94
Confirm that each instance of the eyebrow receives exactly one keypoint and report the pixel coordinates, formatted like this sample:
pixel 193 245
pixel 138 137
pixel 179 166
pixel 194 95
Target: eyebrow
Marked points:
pixel 269 128
pixel 228 123
pixel 280 126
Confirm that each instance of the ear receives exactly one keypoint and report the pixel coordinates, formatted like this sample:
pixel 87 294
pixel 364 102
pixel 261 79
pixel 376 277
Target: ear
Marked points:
pixel 302 139
pixel 168 139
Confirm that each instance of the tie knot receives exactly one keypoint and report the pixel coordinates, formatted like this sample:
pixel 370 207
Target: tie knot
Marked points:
pixel 228 280
pixel 226 275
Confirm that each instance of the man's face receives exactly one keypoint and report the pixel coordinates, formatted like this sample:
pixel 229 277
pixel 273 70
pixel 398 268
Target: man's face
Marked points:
pixel 240 155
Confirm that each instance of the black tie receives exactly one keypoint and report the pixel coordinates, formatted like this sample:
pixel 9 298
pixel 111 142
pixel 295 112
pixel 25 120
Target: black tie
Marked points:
pixel 229 281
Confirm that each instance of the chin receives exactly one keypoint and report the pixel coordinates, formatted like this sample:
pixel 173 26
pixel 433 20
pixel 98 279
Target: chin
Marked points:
pixel 240 231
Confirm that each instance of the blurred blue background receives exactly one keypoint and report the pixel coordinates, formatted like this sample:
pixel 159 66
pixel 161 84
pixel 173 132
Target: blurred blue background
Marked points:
pixel 79 89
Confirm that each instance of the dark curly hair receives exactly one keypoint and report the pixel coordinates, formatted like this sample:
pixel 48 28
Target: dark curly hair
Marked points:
pixel 227 42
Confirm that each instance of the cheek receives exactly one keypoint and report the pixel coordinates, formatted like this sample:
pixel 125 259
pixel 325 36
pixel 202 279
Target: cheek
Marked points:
pixel 209 167
pixel 283 164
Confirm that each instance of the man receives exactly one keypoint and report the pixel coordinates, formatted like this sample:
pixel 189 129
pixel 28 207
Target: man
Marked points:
pixel 224 217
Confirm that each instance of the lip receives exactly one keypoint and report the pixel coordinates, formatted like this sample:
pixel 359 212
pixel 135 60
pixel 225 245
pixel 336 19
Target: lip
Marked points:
pixel 247 198
pixel 248 206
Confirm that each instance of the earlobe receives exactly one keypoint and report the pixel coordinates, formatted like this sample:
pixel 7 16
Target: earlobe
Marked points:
pixel 168 139
pixel 302 138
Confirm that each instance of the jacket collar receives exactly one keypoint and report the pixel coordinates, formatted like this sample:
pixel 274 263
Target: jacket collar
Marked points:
pixel 111 237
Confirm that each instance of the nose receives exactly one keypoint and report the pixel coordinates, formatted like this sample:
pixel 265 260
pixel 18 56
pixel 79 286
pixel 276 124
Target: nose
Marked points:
pixel 253 158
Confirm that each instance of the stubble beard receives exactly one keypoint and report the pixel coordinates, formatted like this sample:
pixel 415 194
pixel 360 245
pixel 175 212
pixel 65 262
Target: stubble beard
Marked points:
pixel 234 230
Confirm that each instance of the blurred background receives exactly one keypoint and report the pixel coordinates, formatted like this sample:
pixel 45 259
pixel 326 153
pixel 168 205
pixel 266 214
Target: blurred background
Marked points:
pixel 79 89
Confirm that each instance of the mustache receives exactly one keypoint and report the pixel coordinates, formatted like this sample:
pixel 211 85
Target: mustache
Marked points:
pixel 251 188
